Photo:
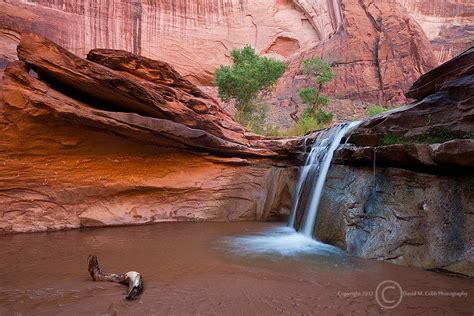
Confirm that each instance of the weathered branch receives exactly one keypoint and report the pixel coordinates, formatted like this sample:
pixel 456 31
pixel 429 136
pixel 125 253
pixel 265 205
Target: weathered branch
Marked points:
pixel 132 278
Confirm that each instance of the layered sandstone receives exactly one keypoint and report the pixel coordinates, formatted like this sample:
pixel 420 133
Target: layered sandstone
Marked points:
pixel 159 97
pixel 377 47
pixel 448 24
pixel 445 104
pixel 86 145
pixel 377 54
pixel 462 66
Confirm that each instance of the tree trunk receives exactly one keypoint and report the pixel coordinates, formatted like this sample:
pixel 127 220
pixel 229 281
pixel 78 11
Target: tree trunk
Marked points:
pixel 294 114
pixel 316 104
pixel 241 114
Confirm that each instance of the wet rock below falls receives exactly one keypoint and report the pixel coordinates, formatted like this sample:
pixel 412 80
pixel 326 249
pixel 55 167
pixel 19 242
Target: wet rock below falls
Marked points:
pixel 417 206
pixel 400 216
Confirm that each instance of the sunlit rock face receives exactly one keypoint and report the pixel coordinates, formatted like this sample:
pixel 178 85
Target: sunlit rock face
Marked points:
pixel 378 48
pixel 448 24
pixel 326 16
pixel 125 140
pixel 376 54
pixel 195 36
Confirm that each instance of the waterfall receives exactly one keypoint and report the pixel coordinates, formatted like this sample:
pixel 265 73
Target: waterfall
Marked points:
pixel 285 240
pixel 313 175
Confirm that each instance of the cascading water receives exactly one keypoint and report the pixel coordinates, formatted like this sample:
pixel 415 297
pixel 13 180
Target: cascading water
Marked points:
pixel 285 240
pixel 313 175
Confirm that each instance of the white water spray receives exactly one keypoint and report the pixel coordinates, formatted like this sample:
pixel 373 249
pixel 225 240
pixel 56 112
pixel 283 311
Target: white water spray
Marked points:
pixel 313 175
pixel 285 240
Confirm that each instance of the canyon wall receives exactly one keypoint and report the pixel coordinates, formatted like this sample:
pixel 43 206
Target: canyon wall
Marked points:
pixel 378 48
pixel 194 36
pixel 376 55
pixel 448 24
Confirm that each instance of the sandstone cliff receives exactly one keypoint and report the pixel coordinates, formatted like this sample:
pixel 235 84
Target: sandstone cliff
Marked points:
pixel 448 24
pixel 85 144
pixel 378 48
pixel 194 36
pixel 378 52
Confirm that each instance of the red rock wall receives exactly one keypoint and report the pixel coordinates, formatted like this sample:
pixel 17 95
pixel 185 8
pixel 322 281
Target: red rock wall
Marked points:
pixel 378 47
pixel 195 36
pixel 377 54
pixel 448 24
pixel 326 16
pixel 66 163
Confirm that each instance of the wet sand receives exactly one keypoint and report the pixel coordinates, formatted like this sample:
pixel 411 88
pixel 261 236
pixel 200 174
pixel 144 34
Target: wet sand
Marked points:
pixel 195 268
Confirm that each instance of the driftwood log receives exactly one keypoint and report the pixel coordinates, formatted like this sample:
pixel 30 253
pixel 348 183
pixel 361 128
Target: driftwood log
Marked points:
pixel 132 278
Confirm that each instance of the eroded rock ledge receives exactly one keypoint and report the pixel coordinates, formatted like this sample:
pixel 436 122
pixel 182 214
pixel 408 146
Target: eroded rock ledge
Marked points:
pixel 126 140
pixel 435 133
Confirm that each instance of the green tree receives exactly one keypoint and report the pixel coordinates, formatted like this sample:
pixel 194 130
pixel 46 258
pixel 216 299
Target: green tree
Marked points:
pixel 247 79
pixel 322 72
pixel 313 116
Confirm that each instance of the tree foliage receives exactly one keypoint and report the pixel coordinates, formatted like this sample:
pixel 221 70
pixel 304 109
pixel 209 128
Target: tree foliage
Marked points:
pixel 319 69
pixel 311 96
pixel 322 72
pixel 246 79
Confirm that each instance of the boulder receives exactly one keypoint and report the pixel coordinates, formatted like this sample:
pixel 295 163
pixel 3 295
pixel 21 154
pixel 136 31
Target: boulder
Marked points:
pixel 146 100
pixel 155 71
pixel 109 90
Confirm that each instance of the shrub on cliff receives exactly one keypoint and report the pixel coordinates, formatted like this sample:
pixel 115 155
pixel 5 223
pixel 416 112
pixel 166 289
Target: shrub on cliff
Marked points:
pixel 322 72
pixel 375 109
pixel 314 116
pixel 248 78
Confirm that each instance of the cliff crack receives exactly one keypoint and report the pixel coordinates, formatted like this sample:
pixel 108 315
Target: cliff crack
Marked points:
pixel 407 242
pixel 379 29
pixel 256 30
pixel 406 218
pixel 415 54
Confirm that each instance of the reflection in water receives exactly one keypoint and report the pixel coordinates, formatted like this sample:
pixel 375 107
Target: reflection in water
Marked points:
pixel 205 268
